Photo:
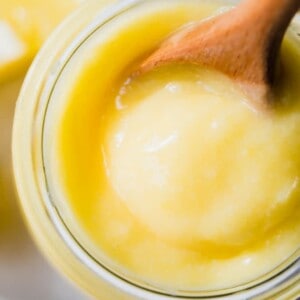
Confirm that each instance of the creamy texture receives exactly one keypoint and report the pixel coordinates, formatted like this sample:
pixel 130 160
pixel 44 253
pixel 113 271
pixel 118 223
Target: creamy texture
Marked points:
pixel 172 178
pixel 188 159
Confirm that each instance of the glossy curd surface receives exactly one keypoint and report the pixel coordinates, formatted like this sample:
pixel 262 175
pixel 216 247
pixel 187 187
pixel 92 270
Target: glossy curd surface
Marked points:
pixel 171 178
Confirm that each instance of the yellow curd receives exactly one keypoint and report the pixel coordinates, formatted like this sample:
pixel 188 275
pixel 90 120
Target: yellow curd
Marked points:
pixel 172 178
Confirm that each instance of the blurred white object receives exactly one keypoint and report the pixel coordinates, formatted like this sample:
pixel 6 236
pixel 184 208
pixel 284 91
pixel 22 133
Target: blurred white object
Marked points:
pixel 12 48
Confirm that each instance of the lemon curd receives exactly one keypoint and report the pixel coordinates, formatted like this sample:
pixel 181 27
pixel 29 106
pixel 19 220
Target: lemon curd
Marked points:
pixel 171 178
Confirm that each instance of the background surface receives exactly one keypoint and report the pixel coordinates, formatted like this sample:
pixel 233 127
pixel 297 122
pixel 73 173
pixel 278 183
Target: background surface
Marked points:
pixel 24 273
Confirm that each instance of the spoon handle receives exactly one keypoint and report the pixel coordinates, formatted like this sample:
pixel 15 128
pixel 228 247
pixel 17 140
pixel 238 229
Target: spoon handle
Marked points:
pixel 272 10
pixel 270 19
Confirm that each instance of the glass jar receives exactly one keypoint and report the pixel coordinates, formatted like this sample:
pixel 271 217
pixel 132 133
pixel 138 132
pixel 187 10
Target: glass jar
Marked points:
pixel 43 215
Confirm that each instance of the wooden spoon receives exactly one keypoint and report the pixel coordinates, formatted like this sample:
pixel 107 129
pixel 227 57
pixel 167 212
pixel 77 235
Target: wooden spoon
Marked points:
pixel 242 43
